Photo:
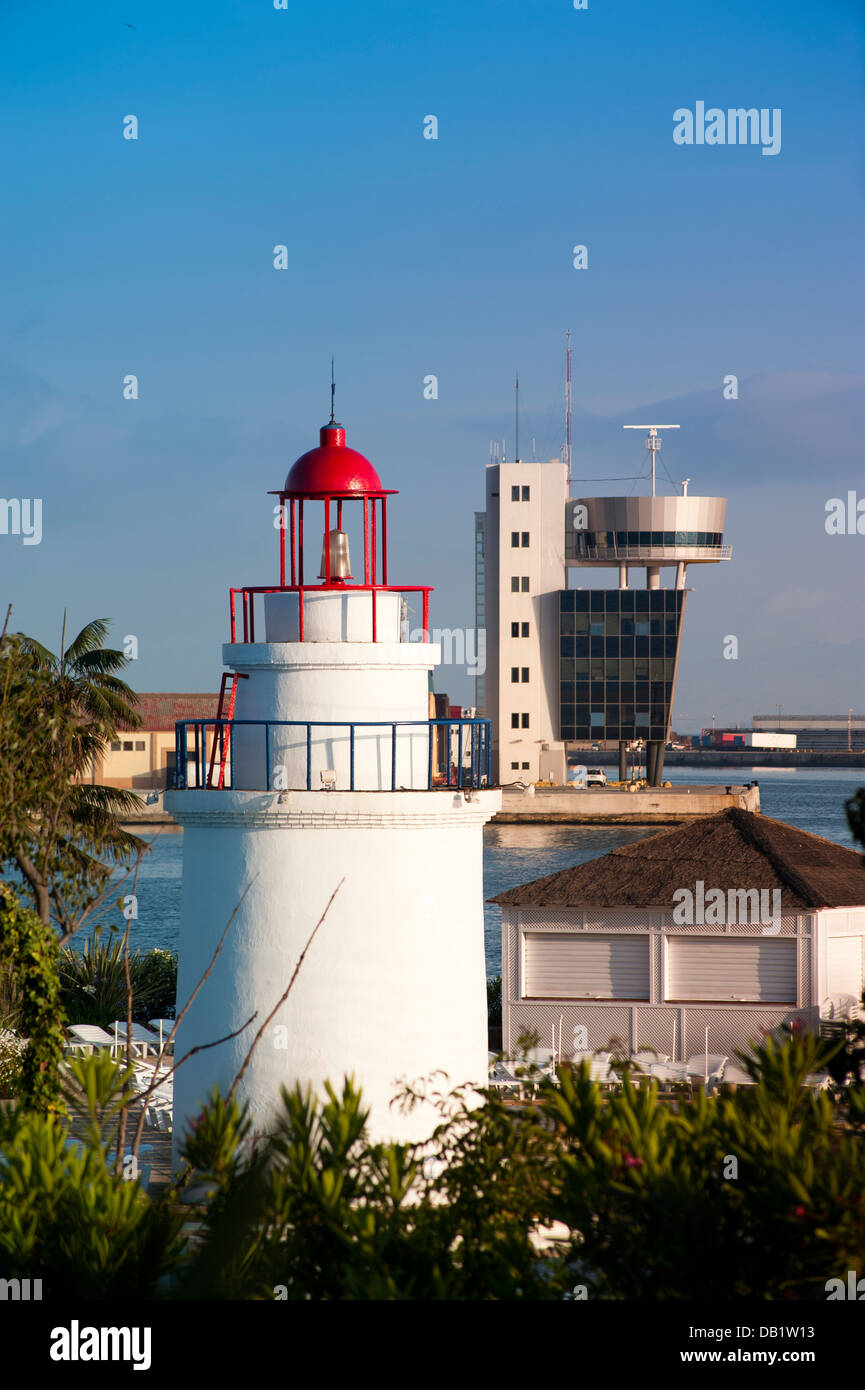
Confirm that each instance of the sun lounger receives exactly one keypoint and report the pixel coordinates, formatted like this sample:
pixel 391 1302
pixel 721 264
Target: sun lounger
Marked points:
pixel 162 1027
pixel 142 1039
pixel 83 1037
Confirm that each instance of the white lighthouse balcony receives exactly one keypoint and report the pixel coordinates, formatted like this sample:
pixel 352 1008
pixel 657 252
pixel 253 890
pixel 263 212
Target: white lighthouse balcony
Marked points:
pixel 311 755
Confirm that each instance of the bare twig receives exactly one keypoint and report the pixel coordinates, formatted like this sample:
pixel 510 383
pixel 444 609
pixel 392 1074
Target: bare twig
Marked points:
pixel 74 924
pixel 157 1079
pixel 121 1128
pixel 235 1083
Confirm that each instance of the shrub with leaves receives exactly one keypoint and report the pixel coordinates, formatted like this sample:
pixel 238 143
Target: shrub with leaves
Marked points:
pixel 28 952
pixel 12 1049
pixel 157 986
pixel 66 1216
pixel 93 982
pixel 753 1195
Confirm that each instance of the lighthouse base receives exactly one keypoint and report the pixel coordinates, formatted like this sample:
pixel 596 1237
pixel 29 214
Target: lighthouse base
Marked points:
pixel 392 988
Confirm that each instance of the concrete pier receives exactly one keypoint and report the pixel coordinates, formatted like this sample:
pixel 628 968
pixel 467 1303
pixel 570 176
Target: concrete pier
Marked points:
pixel 619 806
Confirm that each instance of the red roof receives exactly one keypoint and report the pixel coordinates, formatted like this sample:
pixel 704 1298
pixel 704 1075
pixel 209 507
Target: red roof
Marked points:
pixel 160 711
pixel 333 469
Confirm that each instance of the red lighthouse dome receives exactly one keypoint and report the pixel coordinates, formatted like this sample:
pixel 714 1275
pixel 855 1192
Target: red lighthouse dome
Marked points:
pixel 332 469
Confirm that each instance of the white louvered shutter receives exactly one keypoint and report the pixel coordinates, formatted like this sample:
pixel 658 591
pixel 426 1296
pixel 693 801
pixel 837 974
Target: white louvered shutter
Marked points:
pixel 731 969
pixel 560 966
pixel 844 960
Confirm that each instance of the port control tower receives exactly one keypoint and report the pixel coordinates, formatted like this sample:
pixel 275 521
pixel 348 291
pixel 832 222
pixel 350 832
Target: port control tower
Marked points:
pixel 619 647
pixel 580 665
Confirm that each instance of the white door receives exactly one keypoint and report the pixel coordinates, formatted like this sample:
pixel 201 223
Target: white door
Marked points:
pixel 844 962
pixel 562 966
pixel 731 970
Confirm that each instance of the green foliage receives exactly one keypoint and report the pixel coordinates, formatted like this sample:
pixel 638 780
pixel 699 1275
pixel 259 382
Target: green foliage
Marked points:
pixel 494 1002
pixel 93 982
pixel 855 809
pixel 159 980
pixel 66 1217
pixel 12 1050
pixel 757 1195
pixel 753 1195
pixel 319 1213
pixel 28 951
pixel 59 832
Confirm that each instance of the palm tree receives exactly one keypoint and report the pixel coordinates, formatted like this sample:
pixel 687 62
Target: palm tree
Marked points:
pixel 70 833
pixel 85 675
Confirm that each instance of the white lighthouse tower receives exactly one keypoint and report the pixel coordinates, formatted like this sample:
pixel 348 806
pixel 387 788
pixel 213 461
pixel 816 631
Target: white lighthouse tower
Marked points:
pixel 324 768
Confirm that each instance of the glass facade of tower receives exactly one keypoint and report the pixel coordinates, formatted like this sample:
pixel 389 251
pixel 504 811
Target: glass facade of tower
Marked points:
pixel 617 661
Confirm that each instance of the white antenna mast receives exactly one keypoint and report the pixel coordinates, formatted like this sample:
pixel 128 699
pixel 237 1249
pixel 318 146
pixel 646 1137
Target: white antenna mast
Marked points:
pixel 653 443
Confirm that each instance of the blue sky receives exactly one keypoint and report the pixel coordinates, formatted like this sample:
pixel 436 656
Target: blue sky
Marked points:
pixel 407 257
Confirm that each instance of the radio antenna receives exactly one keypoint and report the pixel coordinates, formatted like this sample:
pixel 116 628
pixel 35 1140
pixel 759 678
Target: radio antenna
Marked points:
pixel 516 417
pixel 653 443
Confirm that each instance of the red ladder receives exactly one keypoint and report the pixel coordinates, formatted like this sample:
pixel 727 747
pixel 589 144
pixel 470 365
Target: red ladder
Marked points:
pixel 223 736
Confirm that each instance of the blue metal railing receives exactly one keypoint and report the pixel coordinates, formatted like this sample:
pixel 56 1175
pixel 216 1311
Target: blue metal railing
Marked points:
pixel 475 771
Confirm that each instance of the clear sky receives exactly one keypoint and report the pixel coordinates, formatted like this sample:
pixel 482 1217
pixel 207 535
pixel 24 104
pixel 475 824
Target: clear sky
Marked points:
pixel 410 257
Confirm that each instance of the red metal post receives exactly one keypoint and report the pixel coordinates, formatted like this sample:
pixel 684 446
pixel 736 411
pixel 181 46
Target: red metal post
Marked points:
pixel 327 540
pixel 366 540
pixel 300 544
pixel 374 546
pixel 300 610
pixel 426 615
pixel 281 543
pixel 384 540
pixel 231 615
pixel 293 519
pixel 374 618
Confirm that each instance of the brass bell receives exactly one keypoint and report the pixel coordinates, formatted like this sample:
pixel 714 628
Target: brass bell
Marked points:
pixel 340 563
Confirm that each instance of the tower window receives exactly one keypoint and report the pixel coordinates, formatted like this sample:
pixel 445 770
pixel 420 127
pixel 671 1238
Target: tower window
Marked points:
pixel 525 538
pixel 515 767
pixel 525 675
pixel 515 721
pixel 515 539
pixel 515 674
pixel 524 718
pixel 526 494
pixel 515 497
pixel 524 583
pixel 515 629
pixel 515 584
pixel 525 630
